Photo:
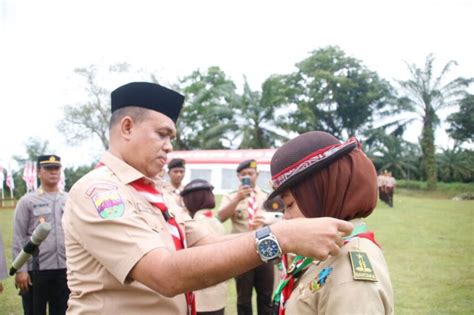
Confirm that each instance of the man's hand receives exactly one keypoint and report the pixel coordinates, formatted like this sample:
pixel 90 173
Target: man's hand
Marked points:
pixel 316 238
pixel 22 281
pixel 258 220
pixel 243 192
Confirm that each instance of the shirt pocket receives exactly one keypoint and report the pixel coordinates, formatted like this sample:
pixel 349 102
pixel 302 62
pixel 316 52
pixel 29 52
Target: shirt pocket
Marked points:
pixel 150 216
pixel 41 211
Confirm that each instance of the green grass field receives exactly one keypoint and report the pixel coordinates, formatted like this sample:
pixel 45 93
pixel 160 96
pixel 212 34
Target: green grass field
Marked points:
pixel 428 244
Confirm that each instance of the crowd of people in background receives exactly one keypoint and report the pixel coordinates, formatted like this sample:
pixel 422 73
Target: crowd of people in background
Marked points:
pixel 114 236
pixel 386 184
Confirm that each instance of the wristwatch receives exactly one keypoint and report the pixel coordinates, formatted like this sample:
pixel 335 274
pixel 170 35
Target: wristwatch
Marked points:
pixel 267 244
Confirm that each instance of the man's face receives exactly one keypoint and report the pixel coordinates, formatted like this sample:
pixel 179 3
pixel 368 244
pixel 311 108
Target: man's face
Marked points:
pixel 149 143
pixel 49 175
pixel 176 175
pixel 249 172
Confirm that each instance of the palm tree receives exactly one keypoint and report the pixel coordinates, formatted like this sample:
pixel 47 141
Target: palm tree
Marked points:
pixel 426 95
pixel 455 165
pixel 256 116
pixel 390 152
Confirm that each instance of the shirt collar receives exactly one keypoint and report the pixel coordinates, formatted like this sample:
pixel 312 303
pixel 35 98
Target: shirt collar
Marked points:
pixel 125 172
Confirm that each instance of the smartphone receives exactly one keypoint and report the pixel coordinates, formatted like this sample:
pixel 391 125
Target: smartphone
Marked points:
pixel 272 217
pixel 245 181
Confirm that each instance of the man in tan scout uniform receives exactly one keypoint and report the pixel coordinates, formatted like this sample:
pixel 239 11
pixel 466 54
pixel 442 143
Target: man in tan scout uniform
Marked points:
pixel 127 253
pixel 245 208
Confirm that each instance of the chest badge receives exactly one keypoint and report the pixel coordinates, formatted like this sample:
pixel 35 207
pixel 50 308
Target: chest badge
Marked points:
pixel 361 267
pixel 320 280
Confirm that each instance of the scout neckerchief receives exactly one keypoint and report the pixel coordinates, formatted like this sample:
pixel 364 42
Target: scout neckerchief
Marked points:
pixel 251 206
pixel 286 285
pixel 155 198
pixel 207 213
pixel 148 190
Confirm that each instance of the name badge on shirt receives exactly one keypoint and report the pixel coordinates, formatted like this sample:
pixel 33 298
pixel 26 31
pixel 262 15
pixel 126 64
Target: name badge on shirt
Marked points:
pixel 361 267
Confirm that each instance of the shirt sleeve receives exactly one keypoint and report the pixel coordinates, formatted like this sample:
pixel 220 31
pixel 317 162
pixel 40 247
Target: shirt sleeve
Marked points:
pixel 356 297
pixel 20 230
pixel 119 241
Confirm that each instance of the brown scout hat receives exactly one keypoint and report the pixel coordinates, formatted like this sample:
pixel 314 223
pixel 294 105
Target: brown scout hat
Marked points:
pixel 304 155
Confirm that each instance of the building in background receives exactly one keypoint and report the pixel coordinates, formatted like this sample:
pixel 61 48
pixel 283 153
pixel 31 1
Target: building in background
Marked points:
pixel 219 166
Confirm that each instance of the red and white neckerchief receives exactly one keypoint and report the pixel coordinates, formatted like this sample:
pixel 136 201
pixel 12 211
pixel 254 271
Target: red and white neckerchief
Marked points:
pixel 207 213
pixel 148 190
pixel 251 206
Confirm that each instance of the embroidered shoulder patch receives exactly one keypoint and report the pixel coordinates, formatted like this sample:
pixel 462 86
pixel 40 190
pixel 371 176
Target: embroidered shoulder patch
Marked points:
pixel 109 204
pixel 361 266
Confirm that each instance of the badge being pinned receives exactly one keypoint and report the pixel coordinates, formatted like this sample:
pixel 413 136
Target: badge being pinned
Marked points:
pixel 109 204
pixel 320 280
pixel 361 267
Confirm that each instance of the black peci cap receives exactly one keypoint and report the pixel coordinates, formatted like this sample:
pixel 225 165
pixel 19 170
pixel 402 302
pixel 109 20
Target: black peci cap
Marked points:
pixel 176 162
pixel 148 95
pixel 49 160
pixel 247 164
pixel 196 184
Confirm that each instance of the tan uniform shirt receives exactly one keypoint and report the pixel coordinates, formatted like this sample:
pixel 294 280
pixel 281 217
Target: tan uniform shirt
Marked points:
pixel 101 251
pixel 240 218
pixel 341 294
pixel 390 182
pixel 213 298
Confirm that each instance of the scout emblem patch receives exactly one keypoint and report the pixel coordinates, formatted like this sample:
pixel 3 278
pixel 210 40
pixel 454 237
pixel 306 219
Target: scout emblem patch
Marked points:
pixel 109 204
pixel 361 266
pixel 320 280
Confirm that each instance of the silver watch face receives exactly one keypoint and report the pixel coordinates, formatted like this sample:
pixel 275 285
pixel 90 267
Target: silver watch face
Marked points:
pixel 268 248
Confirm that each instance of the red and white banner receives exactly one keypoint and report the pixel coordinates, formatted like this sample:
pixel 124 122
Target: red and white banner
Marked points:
pixel 62 180
pixel 2 177
pixel 10 183
pixel 29 176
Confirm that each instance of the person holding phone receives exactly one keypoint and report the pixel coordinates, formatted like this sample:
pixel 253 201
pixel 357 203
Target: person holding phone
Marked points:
pixel 245 209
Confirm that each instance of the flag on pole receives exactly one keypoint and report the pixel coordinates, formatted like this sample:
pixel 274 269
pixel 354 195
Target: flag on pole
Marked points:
pixel 10 183
pixel 2 177
pixel 29 175
pixel 62 180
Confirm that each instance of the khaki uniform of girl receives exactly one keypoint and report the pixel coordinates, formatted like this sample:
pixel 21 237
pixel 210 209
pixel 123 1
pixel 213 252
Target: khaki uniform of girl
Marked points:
pixel 198 199
pixel 318 176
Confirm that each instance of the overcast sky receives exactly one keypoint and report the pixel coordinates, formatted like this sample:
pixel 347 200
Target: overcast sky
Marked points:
pixel 41 42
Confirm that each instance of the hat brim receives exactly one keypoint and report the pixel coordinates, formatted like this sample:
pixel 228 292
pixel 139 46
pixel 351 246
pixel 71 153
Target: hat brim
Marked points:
pixel 185 192
pixel 57 164
pixel 311 170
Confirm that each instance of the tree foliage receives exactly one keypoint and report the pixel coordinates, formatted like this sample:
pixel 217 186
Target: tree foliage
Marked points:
pixel 256 114
pixel 335 93
pixel 85 120
pixel 389 152
pixel 427 94
pixel 207 119
pixel 462 122
pixel 456 164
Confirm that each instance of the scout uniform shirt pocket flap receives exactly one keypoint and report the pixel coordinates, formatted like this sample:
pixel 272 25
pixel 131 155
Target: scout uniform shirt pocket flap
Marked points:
pixel 151 217
pixel 41 210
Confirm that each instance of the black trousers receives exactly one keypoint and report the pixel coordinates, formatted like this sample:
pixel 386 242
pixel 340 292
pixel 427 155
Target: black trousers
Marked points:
pixel 219 312
pixel 52 289
pixel 262 279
